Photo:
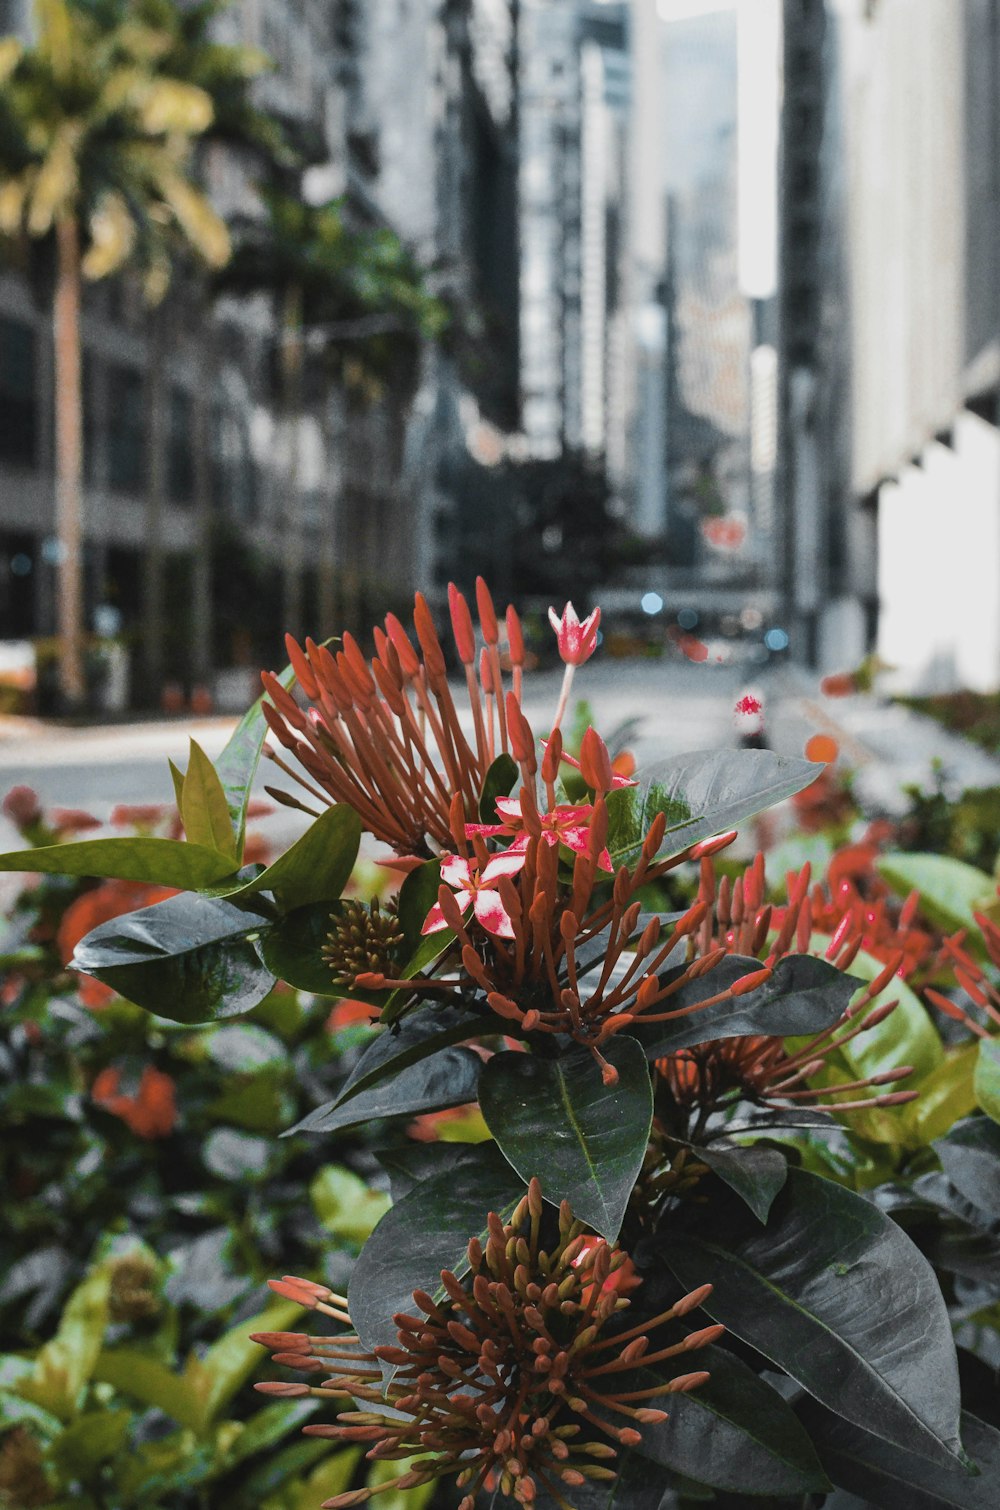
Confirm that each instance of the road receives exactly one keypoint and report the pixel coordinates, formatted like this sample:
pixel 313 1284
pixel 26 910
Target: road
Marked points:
pixel 676 707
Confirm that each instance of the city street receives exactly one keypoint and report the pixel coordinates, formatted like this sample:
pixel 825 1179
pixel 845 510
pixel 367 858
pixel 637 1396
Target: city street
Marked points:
pixel 670 707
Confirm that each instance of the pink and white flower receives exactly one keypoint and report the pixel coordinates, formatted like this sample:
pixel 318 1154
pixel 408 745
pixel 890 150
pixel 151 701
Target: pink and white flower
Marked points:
pixel 477 889
pixel 577 639
pixel 565 824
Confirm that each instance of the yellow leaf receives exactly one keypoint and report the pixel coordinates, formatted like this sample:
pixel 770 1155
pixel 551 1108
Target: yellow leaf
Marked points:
pixel 112 237
pixel 201 225
pixel 56 182
pixel 168 105
pixel 10 56
pixel 13 193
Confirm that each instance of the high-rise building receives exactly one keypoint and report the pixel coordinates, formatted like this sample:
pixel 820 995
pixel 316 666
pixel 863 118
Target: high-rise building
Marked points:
pixel 407 112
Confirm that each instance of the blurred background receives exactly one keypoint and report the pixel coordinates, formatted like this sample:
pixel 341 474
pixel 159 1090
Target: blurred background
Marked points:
pixel 688 308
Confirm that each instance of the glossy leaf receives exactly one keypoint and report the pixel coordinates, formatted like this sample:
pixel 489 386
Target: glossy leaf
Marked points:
pixel 733 1433
pixel 410 1163
pixel 317 867
pixel 885 1475
pixel 293 950
pixel 499 782
pixel 701 795
pixel 425 1232
pixel 417 896
pixel 987 1077
pixel 203 808
pixel 834 1293
pixel 237 765
pixel 557 1120
pixel 755 1172
pixel 946 1094
pixel 636 1486
pixel 450 1078
pixel 417 1037
pixel 192 959
pixel 804 995
pixel 165 862
pixel 970 1157
pixel 950 891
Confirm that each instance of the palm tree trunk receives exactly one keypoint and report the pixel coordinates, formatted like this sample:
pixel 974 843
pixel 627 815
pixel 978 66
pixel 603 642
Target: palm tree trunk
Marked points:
pixel 202 646
pixel 153 605
pixel 69 462
pixel 291 368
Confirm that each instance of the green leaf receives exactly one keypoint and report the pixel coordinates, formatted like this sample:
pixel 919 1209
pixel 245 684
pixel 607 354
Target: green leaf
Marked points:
pixel 733 1433
pixel 237 765
pixel 970 1157
pixel 834 1293
pixel 755 1172
pixel 884 1475
pixel 803 996
pixel 293 950
pixel 425 1232
pixel 165 862
pixel 192 959
pixel 556 1120
pixel 177 777
pixel 225 1367
pixel 316 868
pixel 450 1078
pixel 203 808
pixel 89 1441
pixel 950 891
pixel 140 1376
pixel 946 1094
pixel 419 1035
pixel 417 896
pixel 987 1077
pixel 499 782
pixel 701 795
pixel 345 1205
pixel 66 1363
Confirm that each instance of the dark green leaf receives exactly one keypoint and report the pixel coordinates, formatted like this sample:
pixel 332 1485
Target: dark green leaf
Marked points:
pixel 419 1035
pixel 986 1080
pixel 701 795
pixel 756 1173
pixel 317 867
pixel 427 1231
pixel 449 1079
pixel 804 995
pixel 499 782
pixel 735 1432
pixel 835 1294
pixel 635 1487
pixel 293 950
pixel 410 1163
pixel 886 1476
pixel 192 959
pixel 203 807
pixel 970 1157
pixel 417 896
pixel 237 765
pixel 557 1120
pixel 165 862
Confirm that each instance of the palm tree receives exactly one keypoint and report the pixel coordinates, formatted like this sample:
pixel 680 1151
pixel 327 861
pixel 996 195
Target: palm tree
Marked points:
pixel 357 300
pixel 97 139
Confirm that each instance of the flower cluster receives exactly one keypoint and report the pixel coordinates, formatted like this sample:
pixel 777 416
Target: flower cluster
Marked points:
pixel 738 920
pixel 971 978
pixel 514 1378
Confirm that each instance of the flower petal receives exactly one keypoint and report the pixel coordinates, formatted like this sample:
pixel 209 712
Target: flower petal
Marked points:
pixel 507 864
pixel 434 921
pixel 490 912
pixel 455 871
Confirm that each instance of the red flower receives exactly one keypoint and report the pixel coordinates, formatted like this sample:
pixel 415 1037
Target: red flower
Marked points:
pixel 151 1113
pixel 563 825
pixel 478 889
pixel 577 640
pixel 348 1012
pixel 110 900
pixel 22 807
pixel 748 704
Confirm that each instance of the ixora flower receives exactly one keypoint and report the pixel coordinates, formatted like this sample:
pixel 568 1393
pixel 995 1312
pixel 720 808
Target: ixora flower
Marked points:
pixel 385 735
pixel 476 887
pixel 563 824
pixel 497 1379
pixel 576 638
pixel 150 1113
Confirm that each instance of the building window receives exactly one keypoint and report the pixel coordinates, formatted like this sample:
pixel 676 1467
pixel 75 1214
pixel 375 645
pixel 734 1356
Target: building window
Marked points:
pixel 180 448
pixel 126 430
pixel 18 410
pixel 233 478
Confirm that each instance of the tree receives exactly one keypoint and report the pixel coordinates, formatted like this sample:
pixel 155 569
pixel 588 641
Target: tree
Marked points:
pixel 358 300
pixel 96 148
